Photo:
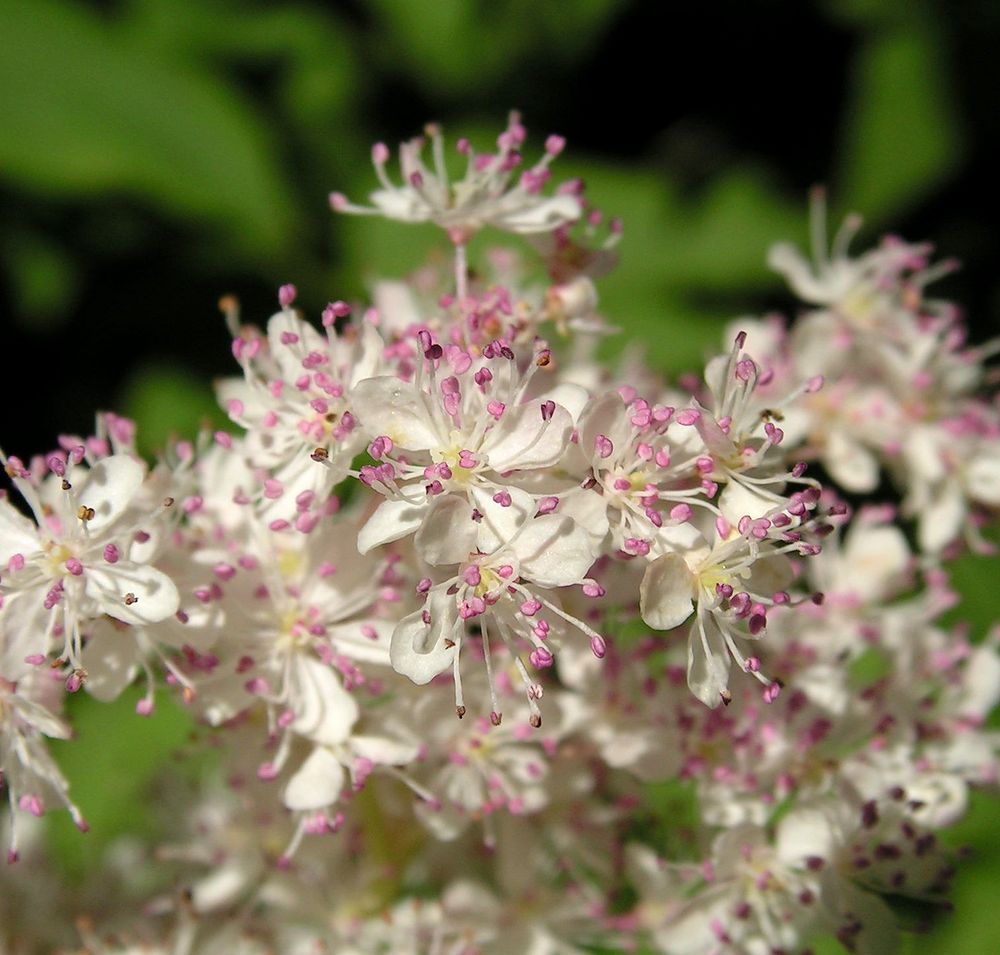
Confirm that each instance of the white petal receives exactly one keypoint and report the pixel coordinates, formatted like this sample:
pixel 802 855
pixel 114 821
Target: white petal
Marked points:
pixel 941 519
pixel 18 535
pixel 803 833
pixel 404 205
pixel 879 926
pixel 554 551
pixel 316 784
pixel 111 660
pixel 384 751
pixel 222 887
pixel 665 593
pixel 500 524
pixel 922 448
pixel 289 357
pixel 850 463
pixel 738 500
pixel 419 650
pixel 523 439
pixel 396 305
pixel 939 800
pixel 873 560
pixel 982 682
pixel 538 215
pixel 574 398
pixel 368 354
pixel 386 405
pixel 348 639
pixel 771 573
pixel 590 511
pixel 718 443
pixel 25 631
pixel 448 533
pixel 41 718
pixel 982 478
pixel 133 593
pixel 816 344
pixel 391 521
pixel 708 665
pixel 324 710
pixel 605 414
pixel 827 284
pixel 109 488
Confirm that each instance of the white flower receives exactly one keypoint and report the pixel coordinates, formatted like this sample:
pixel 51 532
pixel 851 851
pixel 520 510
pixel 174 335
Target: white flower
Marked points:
pixel 86 554
pixel 485 196
pixel 947 473
pixel 728 582
pixel 29 774
pixel 296 404
pixel 446 447
pixel 496 591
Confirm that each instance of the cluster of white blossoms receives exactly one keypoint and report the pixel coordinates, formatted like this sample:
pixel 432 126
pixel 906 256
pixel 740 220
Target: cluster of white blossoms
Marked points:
pixel 500 655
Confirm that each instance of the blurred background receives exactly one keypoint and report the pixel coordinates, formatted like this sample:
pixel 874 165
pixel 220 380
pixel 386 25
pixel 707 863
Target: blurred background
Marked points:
pixel 158 154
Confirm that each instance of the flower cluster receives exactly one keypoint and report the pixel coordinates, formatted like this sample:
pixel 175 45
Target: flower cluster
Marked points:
pixel 450 598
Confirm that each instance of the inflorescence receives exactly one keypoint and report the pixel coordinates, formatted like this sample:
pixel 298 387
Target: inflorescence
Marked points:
pixel 450 595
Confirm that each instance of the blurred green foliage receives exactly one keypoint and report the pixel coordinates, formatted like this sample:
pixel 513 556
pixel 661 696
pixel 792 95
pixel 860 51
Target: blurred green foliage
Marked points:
pixel 159 153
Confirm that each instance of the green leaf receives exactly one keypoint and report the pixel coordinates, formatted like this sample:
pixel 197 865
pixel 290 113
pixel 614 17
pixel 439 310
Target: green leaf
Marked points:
pixel 684 264
pixel 43 277
pixel 87 111
pixel 111 764
pixel 452 46
pixel 902 137
pixel 973 577
pixel 167 403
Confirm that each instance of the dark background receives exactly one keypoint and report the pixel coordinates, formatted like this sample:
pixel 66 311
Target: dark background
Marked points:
pixel 113 252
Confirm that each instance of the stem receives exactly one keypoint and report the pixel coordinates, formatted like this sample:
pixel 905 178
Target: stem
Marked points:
pixel 461 270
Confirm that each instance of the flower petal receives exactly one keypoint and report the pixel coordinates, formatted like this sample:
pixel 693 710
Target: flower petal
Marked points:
pixel 109 488
pixel 448 534
pixel 111 660
pixel 523 439
pixel 420 650
pixel 708 665
pixel 18 535
pixel 324 710
pixel 850 463
pixel 537 215
pixel 553 551
pixel 389 406
pixel 665 593
pixel 316 784
pixel 391 521
pixel 133 593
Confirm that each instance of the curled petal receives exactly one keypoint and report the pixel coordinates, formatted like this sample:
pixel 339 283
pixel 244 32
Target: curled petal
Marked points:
pixel 708 665
pixel 324 710
pixel 665 593
pixel 420 650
